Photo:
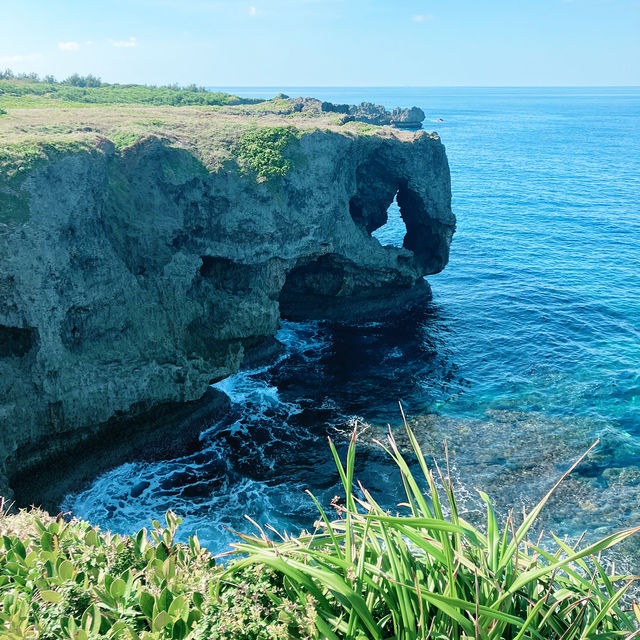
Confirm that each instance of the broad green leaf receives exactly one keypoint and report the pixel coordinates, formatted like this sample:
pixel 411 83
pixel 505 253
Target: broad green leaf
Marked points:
pixel 180 630
pixel 53 597
pixel 91 620
pixel 65 570
pixel 117 588
pixel 178 607
pixel 161 620
pixel 146 601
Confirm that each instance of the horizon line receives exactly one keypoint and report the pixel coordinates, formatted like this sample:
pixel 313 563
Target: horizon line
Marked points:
pixel 429 86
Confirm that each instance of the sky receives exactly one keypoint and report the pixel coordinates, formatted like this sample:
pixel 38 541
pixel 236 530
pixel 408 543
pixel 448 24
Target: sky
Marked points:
pixel 274 43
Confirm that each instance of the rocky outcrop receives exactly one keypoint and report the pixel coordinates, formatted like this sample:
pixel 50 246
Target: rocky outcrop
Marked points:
pixel 376 114
pixel 367 112
pixel 131 281
pixel 411 118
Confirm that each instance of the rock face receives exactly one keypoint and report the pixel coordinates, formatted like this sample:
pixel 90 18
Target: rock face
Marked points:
pixel 136 279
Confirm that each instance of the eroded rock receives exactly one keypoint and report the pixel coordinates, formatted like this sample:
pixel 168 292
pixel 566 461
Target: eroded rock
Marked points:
pixel 137 279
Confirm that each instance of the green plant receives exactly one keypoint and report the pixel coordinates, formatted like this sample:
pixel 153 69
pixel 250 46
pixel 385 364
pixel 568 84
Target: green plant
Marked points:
pixel 266 151
pixel 76 80
pixel 3 112
pixel 69 581
pixel 124 139
pixel 422 574
pixel 245 606
pixel 367 574
pixel 65 580
pixel 89 90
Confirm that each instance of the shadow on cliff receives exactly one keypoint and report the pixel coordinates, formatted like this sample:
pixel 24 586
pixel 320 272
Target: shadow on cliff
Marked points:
pixel 159 433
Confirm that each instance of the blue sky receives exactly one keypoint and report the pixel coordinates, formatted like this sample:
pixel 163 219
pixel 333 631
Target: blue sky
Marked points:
pixel 327 42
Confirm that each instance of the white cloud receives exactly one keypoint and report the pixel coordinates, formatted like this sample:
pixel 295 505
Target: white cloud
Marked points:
pixel 131 42
pixel 422 17
pixel 68 46
pixel 252 11
pixel 28 57
pixel 89 42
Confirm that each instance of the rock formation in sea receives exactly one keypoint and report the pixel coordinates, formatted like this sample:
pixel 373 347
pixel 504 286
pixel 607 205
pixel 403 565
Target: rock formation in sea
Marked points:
pixel 367 112
pixel 376 114
pixel 131 279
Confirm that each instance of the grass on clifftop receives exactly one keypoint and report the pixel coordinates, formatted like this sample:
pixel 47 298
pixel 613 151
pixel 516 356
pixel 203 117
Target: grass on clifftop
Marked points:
pixel 218 129
pixel 266 153
pixel 423 573
pixel 19 158
pixel 26 94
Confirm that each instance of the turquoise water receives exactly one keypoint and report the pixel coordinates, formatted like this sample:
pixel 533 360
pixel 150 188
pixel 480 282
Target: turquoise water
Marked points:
pixel 528 352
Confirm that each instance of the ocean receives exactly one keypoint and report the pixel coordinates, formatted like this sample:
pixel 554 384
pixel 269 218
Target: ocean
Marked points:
pixel 528 352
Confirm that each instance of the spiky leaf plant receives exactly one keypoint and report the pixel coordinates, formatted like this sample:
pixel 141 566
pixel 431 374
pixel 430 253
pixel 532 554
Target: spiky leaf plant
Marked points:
pixel 424 574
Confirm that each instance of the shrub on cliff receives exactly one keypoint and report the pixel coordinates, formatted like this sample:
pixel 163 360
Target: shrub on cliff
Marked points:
pixel 365 575
pixel 265 151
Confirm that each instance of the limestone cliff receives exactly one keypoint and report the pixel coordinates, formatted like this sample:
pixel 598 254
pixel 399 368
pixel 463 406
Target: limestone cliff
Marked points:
pixel 130 280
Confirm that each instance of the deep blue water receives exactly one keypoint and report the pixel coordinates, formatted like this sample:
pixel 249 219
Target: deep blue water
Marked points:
pixel 528 352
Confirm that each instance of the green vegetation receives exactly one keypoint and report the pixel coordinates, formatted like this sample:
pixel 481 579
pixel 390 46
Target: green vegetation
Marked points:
pixel 364 575
pixel 361 128
pixel 88 90
pixel 69 581
pixel 3 112
pixel 266 151
pixel 423 574
pixel 121 139
pixel 220 130
pixel 76 80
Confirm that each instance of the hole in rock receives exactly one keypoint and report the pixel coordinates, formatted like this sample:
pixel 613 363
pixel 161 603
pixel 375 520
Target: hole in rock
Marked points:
pixel 392 233
pixel 15 341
